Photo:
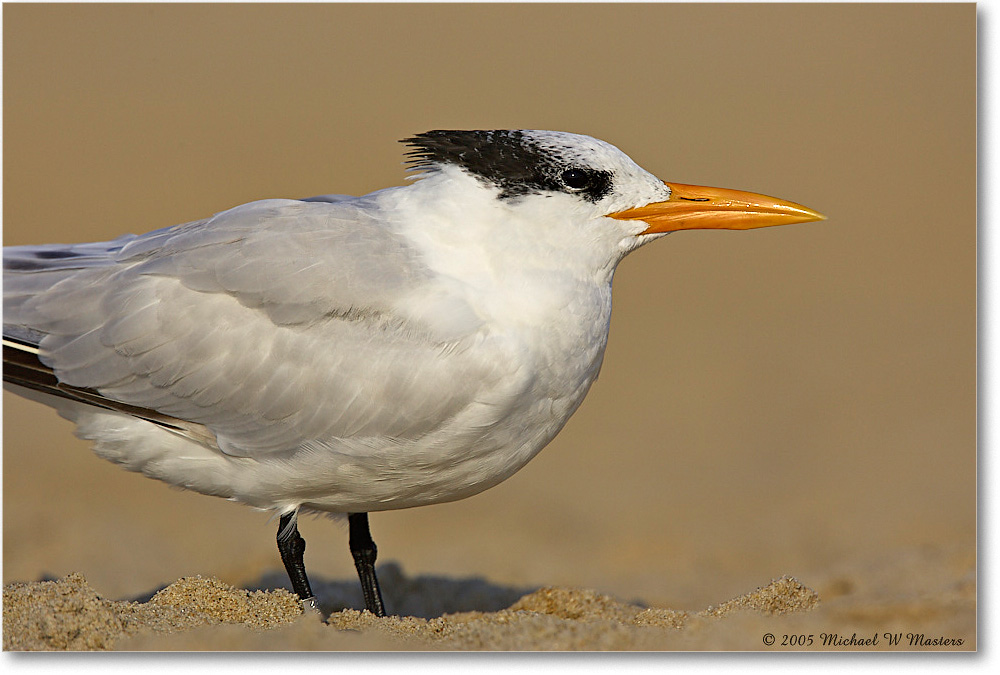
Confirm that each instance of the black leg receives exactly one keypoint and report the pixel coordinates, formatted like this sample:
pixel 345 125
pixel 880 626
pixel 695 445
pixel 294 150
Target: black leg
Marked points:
pixel 364 551
pixel 291 545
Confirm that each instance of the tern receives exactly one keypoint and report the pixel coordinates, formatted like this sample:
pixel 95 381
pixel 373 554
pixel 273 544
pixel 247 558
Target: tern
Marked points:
pixel 344 355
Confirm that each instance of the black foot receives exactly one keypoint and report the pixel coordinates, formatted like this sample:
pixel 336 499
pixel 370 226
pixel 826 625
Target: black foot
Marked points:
pixel 291 545
pixel 364 551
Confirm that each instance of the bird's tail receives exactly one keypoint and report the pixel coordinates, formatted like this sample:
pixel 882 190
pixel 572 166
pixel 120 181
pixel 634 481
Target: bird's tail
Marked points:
pixel 23 368
pixel 29 271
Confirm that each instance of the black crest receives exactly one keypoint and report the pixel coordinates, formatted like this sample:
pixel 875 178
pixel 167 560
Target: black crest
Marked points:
pixel 508 159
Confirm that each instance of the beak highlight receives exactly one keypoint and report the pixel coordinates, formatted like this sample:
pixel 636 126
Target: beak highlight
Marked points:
pixel 692 207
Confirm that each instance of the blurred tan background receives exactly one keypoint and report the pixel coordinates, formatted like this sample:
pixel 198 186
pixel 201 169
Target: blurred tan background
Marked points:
pixel 786 401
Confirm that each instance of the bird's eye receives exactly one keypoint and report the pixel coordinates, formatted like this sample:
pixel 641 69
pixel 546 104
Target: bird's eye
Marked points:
pixel 575 179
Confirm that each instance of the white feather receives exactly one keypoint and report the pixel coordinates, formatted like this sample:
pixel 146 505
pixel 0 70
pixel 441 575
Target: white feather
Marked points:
pixel 416 345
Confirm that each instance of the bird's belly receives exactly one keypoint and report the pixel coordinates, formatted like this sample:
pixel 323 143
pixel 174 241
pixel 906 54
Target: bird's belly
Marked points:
pixel 486 443
pixel 454 463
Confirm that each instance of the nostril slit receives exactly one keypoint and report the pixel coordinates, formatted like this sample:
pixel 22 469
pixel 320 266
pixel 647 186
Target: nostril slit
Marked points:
pixel 694 199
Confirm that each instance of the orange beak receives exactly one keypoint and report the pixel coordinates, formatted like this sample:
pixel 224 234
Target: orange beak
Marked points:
pixel 692 207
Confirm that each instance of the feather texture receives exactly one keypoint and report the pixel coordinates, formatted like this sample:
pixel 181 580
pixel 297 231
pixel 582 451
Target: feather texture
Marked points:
pixel 141 320
pixel 415 345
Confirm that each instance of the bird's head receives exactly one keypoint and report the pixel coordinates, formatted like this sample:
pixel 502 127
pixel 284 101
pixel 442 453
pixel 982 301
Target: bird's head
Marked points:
pixel 588 176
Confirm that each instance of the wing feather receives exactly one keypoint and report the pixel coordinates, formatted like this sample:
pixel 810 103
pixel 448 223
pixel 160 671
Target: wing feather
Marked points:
pixel 276 325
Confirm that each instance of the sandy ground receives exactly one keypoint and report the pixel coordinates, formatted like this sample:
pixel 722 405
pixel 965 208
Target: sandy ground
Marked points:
pixel 918 602
pixel 795 401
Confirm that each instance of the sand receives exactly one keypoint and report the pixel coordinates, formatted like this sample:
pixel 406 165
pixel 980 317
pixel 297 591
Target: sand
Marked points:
pixel 198 614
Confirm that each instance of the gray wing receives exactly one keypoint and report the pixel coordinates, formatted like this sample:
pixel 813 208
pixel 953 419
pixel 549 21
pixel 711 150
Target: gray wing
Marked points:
pixel 275 324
